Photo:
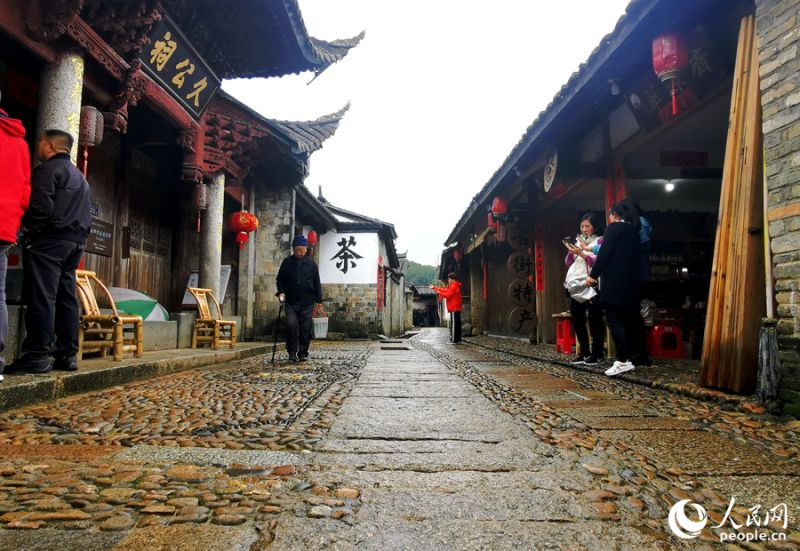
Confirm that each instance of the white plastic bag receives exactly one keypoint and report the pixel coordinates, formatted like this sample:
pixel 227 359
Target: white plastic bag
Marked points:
pixel 578 289
pixel 575 283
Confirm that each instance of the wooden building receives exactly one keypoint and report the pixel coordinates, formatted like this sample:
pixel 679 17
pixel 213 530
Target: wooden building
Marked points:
pixel 176 156
pixel 612 132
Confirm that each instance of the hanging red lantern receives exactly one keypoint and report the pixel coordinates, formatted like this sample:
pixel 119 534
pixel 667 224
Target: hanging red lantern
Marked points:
pixel 491 224
pixel 458 256
pixel 312 238
pixel 670 57
pixel 242 222
pixel 499 206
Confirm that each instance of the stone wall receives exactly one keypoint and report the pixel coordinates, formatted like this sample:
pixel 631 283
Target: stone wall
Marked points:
pixel 779 40
pixel 352 309
pixel 272 240
pixel 395 306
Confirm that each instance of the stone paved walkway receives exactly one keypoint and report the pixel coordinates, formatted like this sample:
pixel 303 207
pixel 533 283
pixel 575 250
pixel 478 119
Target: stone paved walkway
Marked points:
pixel 441 467
pixel 416 444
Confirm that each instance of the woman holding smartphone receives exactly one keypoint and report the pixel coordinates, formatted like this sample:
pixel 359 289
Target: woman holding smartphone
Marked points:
pixel 581 255
pixel 617 267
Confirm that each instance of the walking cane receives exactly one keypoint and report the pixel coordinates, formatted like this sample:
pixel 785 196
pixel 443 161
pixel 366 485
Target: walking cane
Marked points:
pixel 277 325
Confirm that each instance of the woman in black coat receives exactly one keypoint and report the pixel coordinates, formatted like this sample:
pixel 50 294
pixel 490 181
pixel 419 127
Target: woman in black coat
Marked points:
pixel 617 267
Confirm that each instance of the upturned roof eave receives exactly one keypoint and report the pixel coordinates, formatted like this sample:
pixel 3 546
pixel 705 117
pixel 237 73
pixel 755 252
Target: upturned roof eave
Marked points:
pixel 319 54
pixel 302 137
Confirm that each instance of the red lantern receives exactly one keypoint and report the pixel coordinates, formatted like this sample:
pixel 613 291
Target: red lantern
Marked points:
pixel 670 57
pixel 312 238
pixel 491 224
pixel 242 222
pixel 499 206
pixel 458 256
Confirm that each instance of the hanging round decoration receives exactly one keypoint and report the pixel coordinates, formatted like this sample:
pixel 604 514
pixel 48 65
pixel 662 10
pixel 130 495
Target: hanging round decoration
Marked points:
pixel 521 292
pixel 520 264
pixel 519 236
pixel 522 321
pixel 550 170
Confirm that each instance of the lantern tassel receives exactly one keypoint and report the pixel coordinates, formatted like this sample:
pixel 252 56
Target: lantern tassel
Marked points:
pixel 674 100
pixel 85 161
pixel 198 221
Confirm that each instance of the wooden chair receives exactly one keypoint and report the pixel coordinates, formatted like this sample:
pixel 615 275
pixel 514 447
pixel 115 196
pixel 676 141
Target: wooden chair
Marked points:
pixel 208 328
pixel 98 331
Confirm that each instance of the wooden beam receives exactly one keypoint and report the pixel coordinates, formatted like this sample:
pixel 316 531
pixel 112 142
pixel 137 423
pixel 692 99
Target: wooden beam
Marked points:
pixel 478 240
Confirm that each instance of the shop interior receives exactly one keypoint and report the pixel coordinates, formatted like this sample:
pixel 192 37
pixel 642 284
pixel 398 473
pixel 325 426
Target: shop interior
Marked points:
pixel 675 178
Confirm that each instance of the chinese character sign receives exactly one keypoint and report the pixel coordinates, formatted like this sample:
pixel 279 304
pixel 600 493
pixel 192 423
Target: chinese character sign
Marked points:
pixel 521 292
pixel 522 321
pixel 172 61
pixel 348 257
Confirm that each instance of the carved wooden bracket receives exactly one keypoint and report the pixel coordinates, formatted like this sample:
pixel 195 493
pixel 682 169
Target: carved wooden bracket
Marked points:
pixel 230 143
pixel 132 90
pixel 48 19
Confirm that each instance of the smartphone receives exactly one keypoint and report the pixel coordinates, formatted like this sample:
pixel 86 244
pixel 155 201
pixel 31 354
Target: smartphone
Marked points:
pixel 569 240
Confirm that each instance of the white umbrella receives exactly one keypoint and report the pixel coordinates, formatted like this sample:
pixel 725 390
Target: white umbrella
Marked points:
pixel 138 304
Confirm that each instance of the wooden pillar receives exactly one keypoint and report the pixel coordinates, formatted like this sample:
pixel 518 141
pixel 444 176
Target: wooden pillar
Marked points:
pixel 736 301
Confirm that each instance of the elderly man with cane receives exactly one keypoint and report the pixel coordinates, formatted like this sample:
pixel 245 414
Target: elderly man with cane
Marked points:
pixel 299 290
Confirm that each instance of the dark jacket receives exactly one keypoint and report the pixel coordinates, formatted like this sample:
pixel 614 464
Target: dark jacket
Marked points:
pixel 299 281
pixel 617 266
pixel 15 176
pixel 60 205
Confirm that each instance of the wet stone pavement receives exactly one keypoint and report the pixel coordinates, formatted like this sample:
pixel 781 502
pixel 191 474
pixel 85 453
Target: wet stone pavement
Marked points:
pixel 413 444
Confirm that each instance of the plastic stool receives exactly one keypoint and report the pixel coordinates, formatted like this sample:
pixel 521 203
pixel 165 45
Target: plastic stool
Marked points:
pixel 565 339
pixel 666 341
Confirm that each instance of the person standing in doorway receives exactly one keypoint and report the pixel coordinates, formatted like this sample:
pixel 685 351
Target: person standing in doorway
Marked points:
pixel 54 232
pixel 299 289
pixel 15 190
pixel 452 293
pixel 617 266
pixel 579 260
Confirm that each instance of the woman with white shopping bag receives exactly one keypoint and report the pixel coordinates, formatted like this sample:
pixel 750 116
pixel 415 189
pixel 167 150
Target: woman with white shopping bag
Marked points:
pixel 583 299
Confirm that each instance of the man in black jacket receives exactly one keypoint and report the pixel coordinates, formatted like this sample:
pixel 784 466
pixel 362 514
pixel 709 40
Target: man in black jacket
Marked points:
pixel 54 230
pixel 299 289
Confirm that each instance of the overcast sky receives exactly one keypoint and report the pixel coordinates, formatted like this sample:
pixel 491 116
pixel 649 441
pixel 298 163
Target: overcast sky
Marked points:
pixel 441 91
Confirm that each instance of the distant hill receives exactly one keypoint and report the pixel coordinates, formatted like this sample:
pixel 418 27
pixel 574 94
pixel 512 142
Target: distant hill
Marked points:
pixel 420 274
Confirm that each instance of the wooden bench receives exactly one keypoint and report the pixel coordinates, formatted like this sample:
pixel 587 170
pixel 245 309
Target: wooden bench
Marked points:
pixel 100 331
pixel 207 327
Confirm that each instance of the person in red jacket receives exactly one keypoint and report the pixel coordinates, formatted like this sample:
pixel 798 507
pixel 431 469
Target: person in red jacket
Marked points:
pixel 15 190
pixel 453 295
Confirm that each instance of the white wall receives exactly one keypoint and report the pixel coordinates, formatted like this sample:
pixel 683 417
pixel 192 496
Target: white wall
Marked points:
pixel 359 270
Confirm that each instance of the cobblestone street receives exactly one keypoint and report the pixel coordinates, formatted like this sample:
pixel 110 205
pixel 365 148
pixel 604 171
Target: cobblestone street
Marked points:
pixel 407 444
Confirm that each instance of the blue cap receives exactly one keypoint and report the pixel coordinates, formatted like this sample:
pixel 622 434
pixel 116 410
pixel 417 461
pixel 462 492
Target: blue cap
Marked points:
pixel 299 241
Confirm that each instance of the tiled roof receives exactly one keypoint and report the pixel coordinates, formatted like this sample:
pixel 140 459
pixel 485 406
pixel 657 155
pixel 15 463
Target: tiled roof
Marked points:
pixel 626 25
pixel 255 38
pixel 303 137
pixel 308 136
pixel 320 54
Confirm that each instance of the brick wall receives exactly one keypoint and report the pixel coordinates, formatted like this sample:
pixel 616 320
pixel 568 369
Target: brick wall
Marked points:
pixel 779 41
pixel 275 211
pixel 352 309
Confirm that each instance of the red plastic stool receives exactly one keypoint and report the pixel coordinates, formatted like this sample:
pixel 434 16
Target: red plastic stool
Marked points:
pixel 665 341
pixel 565 339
